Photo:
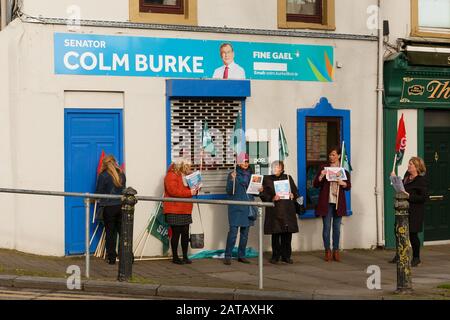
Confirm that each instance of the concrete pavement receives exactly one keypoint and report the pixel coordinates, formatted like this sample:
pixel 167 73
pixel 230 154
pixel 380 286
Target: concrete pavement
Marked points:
pixel 308 278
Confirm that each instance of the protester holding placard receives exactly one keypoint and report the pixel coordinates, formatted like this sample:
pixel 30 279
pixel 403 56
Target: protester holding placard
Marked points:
pixel 415 187
pixel 280 221
pixel 179 214
pixel 240 218
pixel 331 205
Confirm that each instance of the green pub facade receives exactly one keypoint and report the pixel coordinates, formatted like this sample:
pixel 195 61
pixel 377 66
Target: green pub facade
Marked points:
pixel 417 84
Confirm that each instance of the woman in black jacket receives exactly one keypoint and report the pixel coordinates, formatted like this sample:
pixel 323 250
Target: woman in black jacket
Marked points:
pixel 111 180
pixel 280 221
pixel 416 189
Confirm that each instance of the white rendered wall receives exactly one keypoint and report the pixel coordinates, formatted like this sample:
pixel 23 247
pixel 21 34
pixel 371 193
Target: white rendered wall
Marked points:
pixel 398 13
pixel 351 16
pixel 39 137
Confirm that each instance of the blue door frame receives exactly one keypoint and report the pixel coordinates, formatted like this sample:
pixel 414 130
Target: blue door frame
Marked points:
pixel 86 133
pixel 322 109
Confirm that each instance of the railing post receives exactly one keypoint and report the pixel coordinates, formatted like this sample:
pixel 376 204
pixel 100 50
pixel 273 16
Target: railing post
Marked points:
pixel 260 244
pixel 87 233
pixel 404 250
pixel 126 235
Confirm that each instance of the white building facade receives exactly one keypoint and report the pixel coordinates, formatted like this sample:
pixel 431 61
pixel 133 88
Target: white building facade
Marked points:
pixel 109 75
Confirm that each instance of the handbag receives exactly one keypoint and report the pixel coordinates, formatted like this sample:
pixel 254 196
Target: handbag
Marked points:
pixel 299 206
pixel 99 212
pixel 252 211
pixel 197 240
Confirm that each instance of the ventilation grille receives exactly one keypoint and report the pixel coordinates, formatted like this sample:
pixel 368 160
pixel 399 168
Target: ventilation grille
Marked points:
pixel 187 118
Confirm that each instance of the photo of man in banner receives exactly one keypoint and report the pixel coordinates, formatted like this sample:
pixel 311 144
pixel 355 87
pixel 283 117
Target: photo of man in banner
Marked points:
pixel 230 69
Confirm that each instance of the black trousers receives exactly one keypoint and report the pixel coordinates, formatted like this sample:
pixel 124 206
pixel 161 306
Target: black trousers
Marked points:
pixel 112 218
pixel 177 232
pixel 281 246
pixel 415 244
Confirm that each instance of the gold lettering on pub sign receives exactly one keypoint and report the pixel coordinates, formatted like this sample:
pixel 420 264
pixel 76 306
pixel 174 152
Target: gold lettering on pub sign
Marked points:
pixel 439 89
pixel 416 90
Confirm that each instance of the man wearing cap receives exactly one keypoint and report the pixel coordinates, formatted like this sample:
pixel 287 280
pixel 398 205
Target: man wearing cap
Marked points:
pixel 238 216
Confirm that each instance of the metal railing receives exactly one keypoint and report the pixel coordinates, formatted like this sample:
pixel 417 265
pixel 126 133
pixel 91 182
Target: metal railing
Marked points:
pixel 93 196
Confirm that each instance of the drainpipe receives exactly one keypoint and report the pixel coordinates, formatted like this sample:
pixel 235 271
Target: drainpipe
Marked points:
pixel 379 210
pixel 3 14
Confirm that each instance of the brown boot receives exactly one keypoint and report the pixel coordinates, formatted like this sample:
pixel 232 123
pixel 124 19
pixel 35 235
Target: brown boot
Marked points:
pixel 336 256
pixel 327 255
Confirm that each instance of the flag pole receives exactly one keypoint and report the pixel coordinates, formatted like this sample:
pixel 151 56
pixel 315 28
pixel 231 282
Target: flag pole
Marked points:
pixel 339 186
pixel 234 179
pixel 395 162
pixel 201 160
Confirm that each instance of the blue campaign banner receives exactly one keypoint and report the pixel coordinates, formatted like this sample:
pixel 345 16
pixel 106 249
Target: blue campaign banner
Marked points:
pixel 82 54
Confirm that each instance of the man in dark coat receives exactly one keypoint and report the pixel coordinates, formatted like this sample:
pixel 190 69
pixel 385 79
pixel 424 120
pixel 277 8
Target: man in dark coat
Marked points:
pixel 280 221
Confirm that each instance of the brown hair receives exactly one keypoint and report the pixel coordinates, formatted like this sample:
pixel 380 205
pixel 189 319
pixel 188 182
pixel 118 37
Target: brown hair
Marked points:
pixel 419 164
pixel 224 45
pixel 335 148
pixel 109 165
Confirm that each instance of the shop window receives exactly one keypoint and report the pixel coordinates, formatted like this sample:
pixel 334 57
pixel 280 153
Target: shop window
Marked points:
pixel 306 14
pixel 189 103
pixel 164 11
pixel 319 129
pixel 430 18
pixel 187 118
pixel 304 11
pixel 322 133
pixel 162 6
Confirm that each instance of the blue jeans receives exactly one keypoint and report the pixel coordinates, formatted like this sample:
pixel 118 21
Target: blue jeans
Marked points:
pixel 231 240
pixel 327 228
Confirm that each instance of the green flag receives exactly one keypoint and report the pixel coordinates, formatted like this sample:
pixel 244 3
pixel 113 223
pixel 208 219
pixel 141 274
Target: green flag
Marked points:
pixel 237 142
pixel 207 143
pixel 159 228
pixel 282 144
pixel 345 162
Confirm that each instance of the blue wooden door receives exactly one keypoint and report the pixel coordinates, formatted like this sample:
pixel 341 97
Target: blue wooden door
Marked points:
pixel 87 133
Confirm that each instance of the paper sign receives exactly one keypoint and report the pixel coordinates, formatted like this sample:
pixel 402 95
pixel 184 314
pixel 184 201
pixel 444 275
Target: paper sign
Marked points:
pixel 194 180
pixel 282 189
pixel 255 184
pixel 335 173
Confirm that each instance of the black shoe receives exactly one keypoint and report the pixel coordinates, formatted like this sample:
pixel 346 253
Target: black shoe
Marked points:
pixel 111 261
pixel 394 260
pixel 227 261
pixel 243 260
pixel 415 262
pixel 187 261
pixel 273 261
pixel 290 261
pixel 178 261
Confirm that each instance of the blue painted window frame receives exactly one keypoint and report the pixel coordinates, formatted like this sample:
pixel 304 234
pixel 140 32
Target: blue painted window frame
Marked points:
pixel 193 88
pixel 322 109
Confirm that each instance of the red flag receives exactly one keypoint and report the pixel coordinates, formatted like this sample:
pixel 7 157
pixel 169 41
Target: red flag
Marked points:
pixel 99 166
pixel 400 141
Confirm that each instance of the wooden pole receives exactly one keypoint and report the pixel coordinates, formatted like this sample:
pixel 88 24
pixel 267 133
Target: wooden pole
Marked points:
pixel 395 162
pixel 234 179
pixel 95 210
pixel 339 186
